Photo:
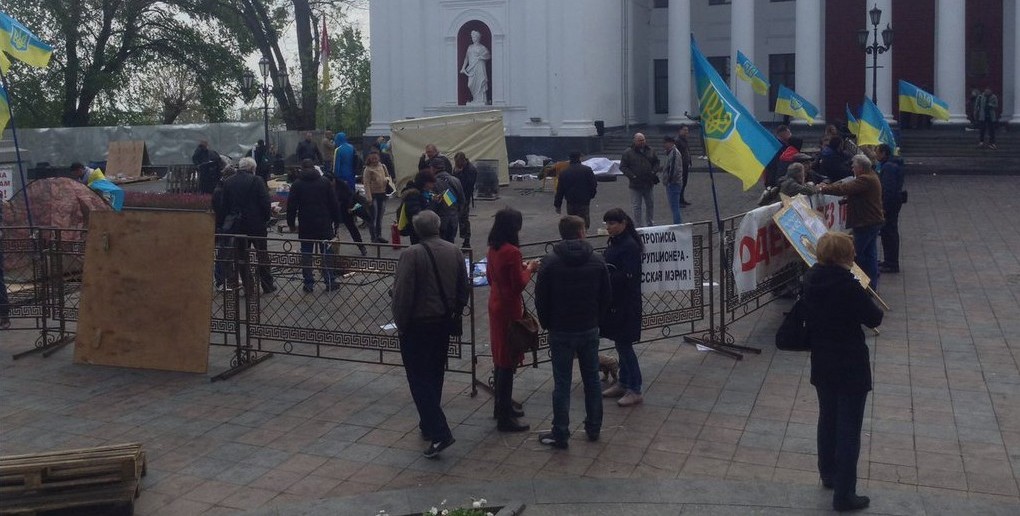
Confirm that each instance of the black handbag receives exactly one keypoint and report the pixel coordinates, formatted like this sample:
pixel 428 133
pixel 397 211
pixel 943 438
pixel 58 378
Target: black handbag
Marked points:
pixel 454 318
pixel 793 333
pixel 522 334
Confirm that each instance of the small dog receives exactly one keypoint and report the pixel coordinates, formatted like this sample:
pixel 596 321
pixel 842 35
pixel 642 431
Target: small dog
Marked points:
pixel 609 366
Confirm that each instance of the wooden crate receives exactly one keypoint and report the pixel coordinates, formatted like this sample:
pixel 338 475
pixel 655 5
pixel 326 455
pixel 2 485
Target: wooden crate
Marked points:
pixel 106 475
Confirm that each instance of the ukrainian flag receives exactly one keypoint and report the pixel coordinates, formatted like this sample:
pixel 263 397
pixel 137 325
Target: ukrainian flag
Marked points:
pixel 874 129
pixel 449 198
pixel 735 141
pixel 21 44
pixel 789 103
pixel 851 122
pixel 750 73
pixel 916 100
pixel 5 109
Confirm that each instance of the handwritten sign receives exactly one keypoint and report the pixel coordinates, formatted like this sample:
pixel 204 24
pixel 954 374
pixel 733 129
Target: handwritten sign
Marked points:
pixel 667 262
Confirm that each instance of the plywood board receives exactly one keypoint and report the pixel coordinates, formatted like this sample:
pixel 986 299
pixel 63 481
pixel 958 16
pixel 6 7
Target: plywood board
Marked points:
pixel 146 298
pixel 125 158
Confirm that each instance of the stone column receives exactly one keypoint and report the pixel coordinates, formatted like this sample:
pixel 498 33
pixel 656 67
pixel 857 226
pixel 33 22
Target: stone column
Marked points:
pixel 1016 60
pixel 884 89
pixel 808 63
pixel 742 39
pixel 950 58
pixel 679 41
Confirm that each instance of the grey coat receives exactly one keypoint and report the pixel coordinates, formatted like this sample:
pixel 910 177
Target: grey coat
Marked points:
pixel 415 290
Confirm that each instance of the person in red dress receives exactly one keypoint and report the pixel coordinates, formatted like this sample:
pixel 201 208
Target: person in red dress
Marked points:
pixel 508 275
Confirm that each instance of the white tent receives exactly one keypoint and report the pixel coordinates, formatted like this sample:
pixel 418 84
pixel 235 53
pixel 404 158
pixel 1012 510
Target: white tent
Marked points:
pixel 479 135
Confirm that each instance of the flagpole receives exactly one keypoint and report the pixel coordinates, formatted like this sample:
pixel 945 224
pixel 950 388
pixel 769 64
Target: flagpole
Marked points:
pixel 17 148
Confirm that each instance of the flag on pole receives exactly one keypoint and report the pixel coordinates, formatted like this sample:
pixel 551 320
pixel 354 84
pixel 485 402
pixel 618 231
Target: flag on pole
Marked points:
pixel 851 122
pixel 789 103
pixel 873 127
pixel 21 44
pixel 750 73
pixel 324 56
pixel 916 100
pixel 735 141
pixel 5 109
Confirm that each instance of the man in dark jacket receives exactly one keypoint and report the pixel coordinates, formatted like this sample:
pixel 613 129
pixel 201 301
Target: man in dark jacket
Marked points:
pixel 572 296
pixel 207 163
pixel 449 199
pixel 415 197
pixel 247 208
pixel 431 153
pixel 429 286
pixel 641 166
pixel 577 185
pixel 311 200
pixel 890 171
pixel 351 205
pixel 307 149
pixel 685 155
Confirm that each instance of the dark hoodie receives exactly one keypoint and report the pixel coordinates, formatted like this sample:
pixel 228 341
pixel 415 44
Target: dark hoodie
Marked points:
pixel 311 200
pixel 890 172
pixel 572 293
pixel 835 306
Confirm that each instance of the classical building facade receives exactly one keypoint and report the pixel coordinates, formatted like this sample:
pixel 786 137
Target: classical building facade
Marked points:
pixel 556 67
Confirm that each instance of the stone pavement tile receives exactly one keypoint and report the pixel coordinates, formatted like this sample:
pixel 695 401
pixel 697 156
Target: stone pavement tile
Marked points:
pixel 669 443
pixel 564 463
pixel 622 453
pixel 211 491
pixel 894 456
pixel 267 457
pixel 182 506
pixel 375 474
pixel 989 451
pixel 715 450
pixel 176 484
pixel 277 479
pixel 236 452
pixel 777 413
pixel 941 479
pixel 148 501
pixel 293 443
pixel 801 461
pixel 605 468
pixel 757 456
pixel 864 486
pixel 891 440
pixel 528 458
pixel 313 428
pixel 381 437
pixel 936 445
pixel 302 463
pixel 892 473
pixel 704 467
pixel 939 461
pixel 667 462
pixel 406 479
pixel 313 486
pixel 738 471
pixel 799 444
pixel 208 467
pixel 719 435
pixel 242 474
pixel 796 476
pixel 339 469
pixel 992 483
pixel 219 510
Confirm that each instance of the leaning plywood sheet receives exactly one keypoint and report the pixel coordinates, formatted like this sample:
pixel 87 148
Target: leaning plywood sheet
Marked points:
pixel 126 158
pixel 146 300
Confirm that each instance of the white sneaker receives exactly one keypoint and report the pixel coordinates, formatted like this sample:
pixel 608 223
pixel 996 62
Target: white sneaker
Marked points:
pixel 630 399
pixel 614 391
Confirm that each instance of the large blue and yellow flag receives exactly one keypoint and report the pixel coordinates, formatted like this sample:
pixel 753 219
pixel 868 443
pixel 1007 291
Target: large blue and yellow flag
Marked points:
pixel 916 100
pixel 750 73
pixel 21 44
pixel 873 127
pixel 789 103
pixel 851 122
pixel 5 109
pixel 735 141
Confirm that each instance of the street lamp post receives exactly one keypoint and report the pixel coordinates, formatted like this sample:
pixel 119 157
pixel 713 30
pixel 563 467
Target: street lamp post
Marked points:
pixel 875 48
pixel 250 87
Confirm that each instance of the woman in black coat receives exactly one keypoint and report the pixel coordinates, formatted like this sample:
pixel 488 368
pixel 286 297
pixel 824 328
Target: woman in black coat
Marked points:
pixel 834 307
pixel 623 323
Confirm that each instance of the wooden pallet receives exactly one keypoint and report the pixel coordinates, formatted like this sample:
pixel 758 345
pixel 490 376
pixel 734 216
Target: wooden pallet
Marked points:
pixel 106 475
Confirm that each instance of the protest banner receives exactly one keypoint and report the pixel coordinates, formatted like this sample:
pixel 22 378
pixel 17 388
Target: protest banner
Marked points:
pixel 760 249
pixel 667 262
pixel 802 226
pixel 6 183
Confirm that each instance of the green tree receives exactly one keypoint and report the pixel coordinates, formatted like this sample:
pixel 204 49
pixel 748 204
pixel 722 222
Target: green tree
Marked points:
pixel 350 95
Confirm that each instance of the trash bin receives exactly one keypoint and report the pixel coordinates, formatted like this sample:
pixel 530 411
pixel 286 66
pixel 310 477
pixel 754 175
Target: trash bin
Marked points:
pixel 487 186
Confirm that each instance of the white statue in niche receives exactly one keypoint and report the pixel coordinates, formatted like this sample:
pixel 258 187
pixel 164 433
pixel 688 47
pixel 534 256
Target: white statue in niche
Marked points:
pixel 474 67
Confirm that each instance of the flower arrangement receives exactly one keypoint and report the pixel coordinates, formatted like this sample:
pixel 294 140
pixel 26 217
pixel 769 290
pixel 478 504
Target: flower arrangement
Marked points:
pixel 477 508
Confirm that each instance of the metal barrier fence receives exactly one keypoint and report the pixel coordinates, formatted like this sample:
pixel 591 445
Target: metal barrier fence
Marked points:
pixel 353 323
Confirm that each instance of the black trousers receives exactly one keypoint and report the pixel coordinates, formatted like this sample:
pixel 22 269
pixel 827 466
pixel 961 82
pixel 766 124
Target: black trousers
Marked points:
pixel 840 416
pixel 890 235
pixel 683 187
pixel 987 126
pixel 464 222
pixel 580 210
pixel 241 245
pixel 423 349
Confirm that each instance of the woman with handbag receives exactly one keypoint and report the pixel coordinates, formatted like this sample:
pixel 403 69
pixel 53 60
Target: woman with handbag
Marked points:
pixel 508 276
pixel 834 308
pixel 623 323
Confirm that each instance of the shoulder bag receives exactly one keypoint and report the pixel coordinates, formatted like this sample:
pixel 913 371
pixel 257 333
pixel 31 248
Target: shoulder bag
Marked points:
pixel 453 317
pixel 522 334
pixel 793 333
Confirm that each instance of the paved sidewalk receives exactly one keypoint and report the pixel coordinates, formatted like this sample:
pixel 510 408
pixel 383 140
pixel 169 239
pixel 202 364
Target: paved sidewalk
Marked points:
pixel 941 432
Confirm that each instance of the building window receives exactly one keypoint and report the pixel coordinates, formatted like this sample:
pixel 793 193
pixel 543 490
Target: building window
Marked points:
pixel 661 4
pixel 721 65
pixel 661 86
pixel 781 71
pixel 718 2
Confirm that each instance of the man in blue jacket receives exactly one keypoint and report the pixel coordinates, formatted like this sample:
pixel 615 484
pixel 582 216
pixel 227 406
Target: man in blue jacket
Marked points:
pixel 344 160
pixel 890 171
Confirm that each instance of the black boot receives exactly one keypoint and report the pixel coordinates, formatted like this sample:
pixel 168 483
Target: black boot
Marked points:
pixel 497 373
pixel 505 420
